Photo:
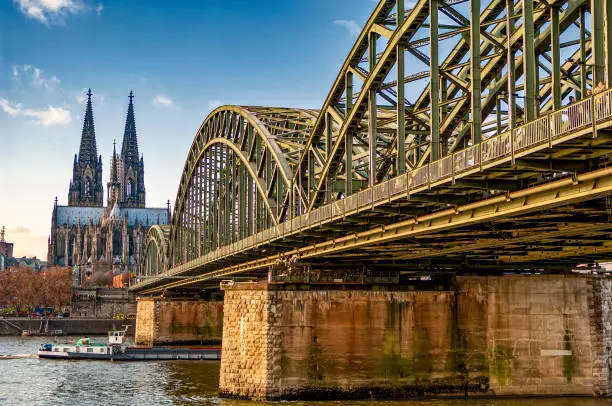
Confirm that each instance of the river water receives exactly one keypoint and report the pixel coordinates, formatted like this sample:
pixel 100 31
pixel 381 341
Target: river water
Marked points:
pixel 26 380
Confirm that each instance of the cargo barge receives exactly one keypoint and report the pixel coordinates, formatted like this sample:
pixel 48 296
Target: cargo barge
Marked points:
pixel 116 350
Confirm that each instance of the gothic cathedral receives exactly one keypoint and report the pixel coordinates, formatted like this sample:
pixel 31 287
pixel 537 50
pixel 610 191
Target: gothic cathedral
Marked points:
pixel 98 238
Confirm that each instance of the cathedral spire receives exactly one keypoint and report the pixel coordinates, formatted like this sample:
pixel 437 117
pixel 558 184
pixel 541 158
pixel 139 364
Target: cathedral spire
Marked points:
pixel 86 185
pixel 114 185
pixel 114 177
pixel 88 152
pixel 129 149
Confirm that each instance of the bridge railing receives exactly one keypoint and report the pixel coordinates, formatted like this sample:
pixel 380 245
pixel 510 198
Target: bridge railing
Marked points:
pixel 543 130
pixel 466 159
pixel 572 118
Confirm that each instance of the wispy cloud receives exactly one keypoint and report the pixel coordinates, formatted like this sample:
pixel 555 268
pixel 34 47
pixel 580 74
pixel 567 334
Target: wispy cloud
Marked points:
pixel 213 104
pixel 35 76
pixel 51 12
pixel 353 28
pixel 81 98
pixel 163 101
pixel 19 230
pixel 48 117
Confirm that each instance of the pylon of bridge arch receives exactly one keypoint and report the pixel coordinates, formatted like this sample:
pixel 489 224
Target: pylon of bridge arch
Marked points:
pixel 420 83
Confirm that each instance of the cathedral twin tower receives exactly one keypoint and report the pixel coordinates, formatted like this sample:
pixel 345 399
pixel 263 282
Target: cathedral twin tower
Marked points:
pixel 85 233
pixel 126 185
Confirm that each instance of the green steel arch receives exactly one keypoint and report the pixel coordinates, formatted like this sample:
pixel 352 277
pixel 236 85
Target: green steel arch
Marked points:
pixel 424 82
pixel 238 177
pixel 155 258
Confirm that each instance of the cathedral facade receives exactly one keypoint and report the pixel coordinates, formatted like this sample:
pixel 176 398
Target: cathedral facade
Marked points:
pixel 90 235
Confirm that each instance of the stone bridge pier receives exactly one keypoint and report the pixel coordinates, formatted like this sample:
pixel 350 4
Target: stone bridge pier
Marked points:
pixel 474 336
pixel 167 321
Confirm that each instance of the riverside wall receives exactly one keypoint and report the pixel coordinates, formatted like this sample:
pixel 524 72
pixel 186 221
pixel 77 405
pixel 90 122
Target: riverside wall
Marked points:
pixel 103 303
pixel 164 321
pixel 478 336
pixel 15 326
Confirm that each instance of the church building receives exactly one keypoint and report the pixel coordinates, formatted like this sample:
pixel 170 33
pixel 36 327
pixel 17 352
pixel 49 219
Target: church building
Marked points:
pixel 90 235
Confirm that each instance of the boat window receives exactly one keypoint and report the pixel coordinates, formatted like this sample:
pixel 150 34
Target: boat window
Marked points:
pixel 101 349
pixel 90 350
pixel 56 349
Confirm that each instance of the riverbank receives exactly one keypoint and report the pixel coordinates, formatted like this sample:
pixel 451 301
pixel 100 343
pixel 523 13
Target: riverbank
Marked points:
pixel 53 326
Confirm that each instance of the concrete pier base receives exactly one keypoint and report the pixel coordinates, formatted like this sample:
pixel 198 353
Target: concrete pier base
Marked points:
pixel 503 335
pixel 167 321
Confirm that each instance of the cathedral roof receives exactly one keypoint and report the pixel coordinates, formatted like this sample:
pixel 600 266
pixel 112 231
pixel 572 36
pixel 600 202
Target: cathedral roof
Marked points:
pixel 70 215
pixel 88 152
pixel 113 176
pixel 129 149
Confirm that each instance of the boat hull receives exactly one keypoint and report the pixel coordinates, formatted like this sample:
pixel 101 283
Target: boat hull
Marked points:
pixel 50 354
pixel 139 354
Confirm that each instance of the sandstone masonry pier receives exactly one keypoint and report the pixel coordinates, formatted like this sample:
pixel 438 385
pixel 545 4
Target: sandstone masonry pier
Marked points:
pixel 495 336
pixel 164 321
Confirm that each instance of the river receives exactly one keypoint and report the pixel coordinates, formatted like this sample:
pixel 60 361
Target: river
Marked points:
pixel 26 380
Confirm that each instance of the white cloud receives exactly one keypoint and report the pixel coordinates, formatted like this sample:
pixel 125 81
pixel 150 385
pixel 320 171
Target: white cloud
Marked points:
pixel 81 98
pixel 99 8
pixel 163 101
pixel 50 116
pixel 35 76
pixel 19 230
pixel 49 11
pixel 353 28
pixel 213 104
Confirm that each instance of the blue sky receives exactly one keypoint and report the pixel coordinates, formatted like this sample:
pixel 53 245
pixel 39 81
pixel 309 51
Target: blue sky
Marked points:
pixel 181 58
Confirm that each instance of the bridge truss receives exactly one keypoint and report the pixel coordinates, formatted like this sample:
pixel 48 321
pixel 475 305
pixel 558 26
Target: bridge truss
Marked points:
pixel 452 104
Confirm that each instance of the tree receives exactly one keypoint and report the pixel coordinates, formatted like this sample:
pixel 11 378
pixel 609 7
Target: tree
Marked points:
pixel 24 288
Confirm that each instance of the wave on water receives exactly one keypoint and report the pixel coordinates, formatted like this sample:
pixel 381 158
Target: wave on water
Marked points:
pixel 17 356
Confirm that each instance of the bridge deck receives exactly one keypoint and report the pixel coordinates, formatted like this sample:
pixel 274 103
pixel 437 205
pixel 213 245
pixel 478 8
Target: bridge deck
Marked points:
pixel 532 195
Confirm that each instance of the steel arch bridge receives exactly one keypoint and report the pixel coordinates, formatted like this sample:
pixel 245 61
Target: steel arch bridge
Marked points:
pixel 425 94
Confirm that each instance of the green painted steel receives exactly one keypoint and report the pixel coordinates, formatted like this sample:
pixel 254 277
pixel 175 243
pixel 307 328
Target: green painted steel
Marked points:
pixel 434 83
pixel 597 41
pixel 555 56
pixel 475 89
pixel 529 61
